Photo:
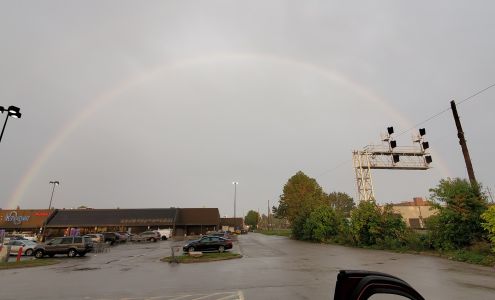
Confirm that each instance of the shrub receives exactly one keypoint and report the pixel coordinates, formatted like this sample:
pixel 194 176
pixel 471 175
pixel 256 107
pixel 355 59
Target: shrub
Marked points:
pixel 458 222
pixel 371 225
pixel 489 224
pixel 322 224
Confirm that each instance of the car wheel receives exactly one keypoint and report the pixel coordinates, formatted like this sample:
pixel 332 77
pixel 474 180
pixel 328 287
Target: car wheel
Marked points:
pixel 221 249
pixel 191 249
pixel 153 240
pixel 72 253
pixel 164 238
pixel 28 252
pixel 39 254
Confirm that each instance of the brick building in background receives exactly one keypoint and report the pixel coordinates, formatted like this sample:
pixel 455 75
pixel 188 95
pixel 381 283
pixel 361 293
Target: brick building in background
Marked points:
pixel 415 212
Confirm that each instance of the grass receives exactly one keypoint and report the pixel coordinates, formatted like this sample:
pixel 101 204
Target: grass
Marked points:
pixel 28 263
pixel 472 257
pixel 207 257
pixel 279 232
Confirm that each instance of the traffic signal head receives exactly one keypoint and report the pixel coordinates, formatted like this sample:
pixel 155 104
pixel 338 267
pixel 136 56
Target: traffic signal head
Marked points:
pixel 390 130
pixel 396 158
pixel 428 159
pixel 393 144
pixel 422 131
pixel 426 145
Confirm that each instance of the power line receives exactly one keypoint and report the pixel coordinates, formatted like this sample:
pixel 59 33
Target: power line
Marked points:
pixel 447 109
pixel 476 94
pixel 342 163
pixel 417 125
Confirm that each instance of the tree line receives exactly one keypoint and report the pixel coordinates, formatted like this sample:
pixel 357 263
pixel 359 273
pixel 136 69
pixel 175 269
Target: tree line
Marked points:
pixel 464 217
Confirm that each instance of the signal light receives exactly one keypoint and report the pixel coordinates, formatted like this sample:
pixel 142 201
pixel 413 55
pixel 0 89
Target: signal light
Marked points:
pixel 426 145
pixel 422 131
pixel 428 159
pixel 396 158
pixel 390 130
pixel 393 144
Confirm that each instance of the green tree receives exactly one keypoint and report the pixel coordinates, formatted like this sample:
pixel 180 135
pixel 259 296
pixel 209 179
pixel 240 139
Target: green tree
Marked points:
pixel 365 223
pixel 322 224
pixel 301 195
pixel 458 222
pixel 280 211
pixel 489 224
pixel 341 202
pixel 252 219
pixel 372 225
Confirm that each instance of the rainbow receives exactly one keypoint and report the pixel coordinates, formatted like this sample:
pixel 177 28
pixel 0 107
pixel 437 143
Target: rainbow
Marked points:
pixel 113 94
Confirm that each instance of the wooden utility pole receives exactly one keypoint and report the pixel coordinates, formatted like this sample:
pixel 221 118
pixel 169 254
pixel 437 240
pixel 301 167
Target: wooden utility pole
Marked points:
pixel 462 142
pixel 268 216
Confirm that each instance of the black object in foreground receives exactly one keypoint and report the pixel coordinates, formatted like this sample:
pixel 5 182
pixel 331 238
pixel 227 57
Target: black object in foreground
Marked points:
pixel 360 285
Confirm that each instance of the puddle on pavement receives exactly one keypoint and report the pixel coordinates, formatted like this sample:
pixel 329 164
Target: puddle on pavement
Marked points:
pixel 85 269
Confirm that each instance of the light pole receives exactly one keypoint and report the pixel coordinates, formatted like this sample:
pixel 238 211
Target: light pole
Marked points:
pixel 43 229
pixel 53 190
pixel 12 111
pixel 235 183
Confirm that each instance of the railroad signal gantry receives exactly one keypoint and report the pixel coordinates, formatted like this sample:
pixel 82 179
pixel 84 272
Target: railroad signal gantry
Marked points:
pixel 390 157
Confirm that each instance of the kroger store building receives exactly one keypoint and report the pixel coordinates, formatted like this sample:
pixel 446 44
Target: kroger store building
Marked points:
pixel 24 220
pixel 183 221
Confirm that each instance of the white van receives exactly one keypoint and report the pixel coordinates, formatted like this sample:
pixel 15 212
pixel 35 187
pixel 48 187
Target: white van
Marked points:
pixel 165 233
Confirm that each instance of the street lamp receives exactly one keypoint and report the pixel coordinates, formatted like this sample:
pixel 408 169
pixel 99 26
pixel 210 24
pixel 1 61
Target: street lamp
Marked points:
pixel 235 183
pixel 53 190
pixel 43 229
pixel 12 111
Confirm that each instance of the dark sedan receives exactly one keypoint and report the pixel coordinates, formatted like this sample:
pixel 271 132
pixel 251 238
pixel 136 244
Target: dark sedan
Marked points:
pixel 208 243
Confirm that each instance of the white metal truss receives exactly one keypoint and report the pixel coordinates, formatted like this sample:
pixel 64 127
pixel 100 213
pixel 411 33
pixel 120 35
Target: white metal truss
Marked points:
pixel 362 167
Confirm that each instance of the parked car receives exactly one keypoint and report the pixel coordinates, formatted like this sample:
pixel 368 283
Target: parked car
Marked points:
pixel 69 245
pixel 222 234
pixel 96 237
pixel 165 234
pixel 151 236
pixel 27 247
pixel 110 237
pixel 122 236
pixel 208 243
pixel 14 238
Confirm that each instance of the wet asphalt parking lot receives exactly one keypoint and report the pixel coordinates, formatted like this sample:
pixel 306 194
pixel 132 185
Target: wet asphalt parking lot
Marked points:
pixel 272 268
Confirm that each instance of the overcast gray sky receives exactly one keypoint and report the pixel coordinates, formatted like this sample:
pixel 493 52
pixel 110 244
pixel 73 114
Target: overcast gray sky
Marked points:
pixel 165 103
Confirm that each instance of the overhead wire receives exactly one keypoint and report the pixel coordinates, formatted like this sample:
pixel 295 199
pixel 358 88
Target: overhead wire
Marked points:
pixel 470 97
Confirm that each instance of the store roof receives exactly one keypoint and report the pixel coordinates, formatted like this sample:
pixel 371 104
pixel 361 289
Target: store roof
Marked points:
pixel 113 217
pixel 231 222
pixel 198 216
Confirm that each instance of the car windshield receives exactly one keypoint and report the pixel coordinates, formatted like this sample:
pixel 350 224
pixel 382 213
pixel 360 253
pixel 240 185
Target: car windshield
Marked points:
pixel 247 149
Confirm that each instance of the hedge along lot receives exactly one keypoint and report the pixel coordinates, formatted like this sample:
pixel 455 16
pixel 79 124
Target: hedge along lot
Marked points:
pixel 28 263
pixel 206 257
pixel 279 232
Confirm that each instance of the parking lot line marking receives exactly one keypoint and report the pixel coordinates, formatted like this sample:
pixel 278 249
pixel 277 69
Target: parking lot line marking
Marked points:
pixel 182 297
pixel 231 296
pixel 215 294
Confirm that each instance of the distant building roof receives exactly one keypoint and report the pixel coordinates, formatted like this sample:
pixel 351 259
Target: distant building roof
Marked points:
pixel 113 217
pixel 237 222
pixel 198 216
pixel 417 201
